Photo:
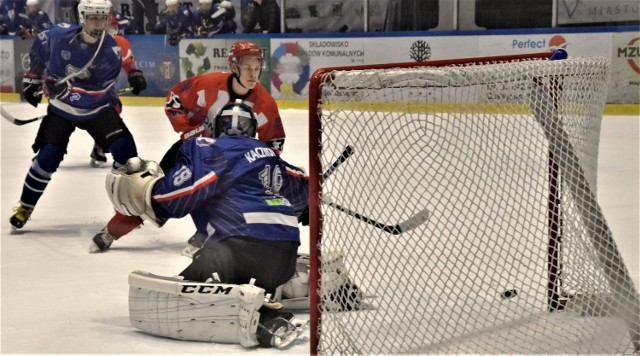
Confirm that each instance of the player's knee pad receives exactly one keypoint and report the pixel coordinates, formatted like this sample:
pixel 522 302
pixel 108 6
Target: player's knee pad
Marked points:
pixel 179 309
pixel 122 149
pixel 49 158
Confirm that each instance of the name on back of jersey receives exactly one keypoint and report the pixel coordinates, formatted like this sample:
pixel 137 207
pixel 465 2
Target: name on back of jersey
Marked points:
pixel 259 152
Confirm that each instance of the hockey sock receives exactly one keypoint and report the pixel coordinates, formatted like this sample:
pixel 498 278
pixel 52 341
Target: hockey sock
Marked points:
pixel 39 175
pixel 120 225
pixel 122 149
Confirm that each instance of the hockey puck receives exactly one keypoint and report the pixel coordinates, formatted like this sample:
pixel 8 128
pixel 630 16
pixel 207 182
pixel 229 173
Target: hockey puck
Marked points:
pixel 509 293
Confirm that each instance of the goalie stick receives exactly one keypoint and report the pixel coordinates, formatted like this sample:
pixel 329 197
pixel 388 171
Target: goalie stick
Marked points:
pixel 409 224
pixel 14 120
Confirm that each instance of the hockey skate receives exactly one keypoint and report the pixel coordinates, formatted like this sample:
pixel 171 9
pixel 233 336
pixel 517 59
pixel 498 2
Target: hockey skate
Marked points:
pixel 194 244
pixel 279 329
pixel 20 216
pixel 101 242
pixel 98 157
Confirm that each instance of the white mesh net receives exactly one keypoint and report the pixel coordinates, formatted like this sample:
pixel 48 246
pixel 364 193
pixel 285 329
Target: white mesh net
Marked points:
pixel 514 255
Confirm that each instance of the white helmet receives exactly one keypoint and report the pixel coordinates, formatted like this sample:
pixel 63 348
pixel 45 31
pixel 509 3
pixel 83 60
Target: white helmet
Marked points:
pixel 93 7
pixel 205 1
pixel 32 2
pixel 171 2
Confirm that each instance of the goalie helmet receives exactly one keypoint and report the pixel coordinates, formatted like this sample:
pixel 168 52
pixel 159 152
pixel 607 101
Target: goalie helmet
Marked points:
pixel 233 119
pixel 93 7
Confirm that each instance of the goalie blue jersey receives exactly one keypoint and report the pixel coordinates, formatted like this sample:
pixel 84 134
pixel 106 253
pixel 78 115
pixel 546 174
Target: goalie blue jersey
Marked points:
pixel 61 51
pixel 233 186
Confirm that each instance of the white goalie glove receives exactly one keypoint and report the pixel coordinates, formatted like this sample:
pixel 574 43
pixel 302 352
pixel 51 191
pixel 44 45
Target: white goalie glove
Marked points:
pixel 130 188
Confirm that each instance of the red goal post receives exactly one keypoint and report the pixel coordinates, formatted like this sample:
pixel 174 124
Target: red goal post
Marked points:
pixel 453 187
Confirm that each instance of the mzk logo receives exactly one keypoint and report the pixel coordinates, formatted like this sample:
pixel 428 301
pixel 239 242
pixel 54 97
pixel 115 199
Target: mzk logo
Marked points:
pixel 632 52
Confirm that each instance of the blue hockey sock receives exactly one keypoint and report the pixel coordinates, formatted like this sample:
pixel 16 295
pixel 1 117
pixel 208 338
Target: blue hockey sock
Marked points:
pixel 39 175
pixel 123 149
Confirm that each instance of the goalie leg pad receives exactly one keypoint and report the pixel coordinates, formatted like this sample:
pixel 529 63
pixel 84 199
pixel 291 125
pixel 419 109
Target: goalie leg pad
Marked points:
pixel 179 309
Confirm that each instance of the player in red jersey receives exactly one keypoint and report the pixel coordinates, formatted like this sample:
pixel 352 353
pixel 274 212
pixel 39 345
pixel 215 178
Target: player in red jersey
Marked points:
pixel 189 103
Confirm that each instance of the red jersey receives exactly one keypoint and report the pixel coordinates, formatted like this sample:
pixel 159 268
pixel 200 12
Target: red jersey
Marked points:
pixel 190 101
pixel 127 55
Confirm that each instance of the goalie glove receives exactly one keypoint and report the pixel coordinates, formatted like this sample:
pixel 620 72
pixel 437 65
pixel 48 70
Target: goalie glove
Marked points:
pixel 137 81
pixel 32 88
pixel 130 188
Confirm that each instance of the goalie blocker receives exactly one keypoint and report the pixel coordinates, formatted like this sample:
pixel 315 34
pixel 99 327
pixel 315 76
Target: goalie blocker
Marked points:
pixel 212 312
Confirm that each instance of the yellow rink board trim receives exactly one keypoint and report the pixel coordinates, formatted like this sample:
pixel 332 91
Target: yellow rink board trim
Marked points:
pixel 610 109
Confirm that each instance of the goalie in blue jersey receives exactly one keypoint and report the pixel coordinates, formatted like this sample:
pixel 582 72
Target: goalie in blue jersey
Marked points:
pixel 236 188
pixel 243 194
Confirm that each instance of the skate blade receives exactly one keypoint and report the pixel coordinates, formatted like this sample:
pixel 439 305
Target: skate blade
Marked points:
pixel 284 336
pixel 97 164
pixel 93 248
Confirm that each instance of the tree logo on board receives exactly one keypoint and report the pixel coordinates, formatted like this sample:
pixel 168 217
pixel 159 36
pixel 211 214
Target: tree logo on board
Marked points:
pixel 420 51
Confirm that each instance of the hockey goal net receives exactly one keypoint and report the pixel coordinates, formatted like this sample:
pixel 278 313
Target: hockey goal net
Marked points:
pixel 460 198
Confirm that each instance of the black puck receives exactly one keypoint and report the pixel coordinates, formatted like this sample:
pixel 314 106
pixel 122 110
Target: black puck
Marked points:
pixel 509 293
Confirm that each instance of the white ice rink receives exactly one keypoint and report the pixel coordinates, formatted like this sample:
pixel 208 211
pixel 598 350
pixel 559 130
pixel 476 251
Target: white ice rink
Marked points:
pixel 58 298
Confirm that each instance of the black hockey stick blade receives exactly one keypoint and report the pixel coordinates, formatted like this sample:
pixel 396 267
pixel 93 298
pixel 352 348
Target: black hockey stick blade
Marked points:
pixel 12 119
pixel 410 224
pixel 346 153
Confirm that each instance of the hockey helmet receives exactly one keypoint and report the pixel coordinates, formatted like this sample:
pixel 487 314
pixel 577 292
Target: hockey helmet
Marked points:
pixel 242 49
pixel 93 7
pixel 233 119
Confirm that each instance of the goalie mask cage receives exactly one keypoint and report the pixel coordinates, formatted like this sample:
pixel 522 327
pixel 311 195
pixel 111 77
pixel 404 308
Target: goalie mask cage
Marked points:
pixel 460 197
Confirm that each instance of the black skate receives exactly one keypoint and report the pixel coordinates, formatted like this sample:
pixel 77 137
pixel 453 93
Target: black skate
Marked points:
pixel 98 157
pixel 101 242
pixel 279 329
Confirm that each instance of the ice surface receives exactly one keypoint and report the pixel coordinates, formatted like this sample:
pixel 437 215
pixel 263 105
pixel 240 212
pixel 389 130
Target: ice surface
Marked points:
pixel 58 298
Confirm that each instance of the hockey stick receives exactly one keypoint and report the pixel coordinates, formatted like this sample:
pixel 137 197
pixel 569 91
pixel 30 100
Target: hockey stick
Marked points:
pixel 348 151
pixel 410 224
pixel 14 120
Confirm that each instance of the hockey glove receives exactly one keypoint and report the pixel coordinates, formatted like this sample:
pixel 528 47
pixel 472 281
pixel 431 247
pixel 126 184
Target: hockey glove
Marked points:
pixel 174 38
pixel 32 88
pixel 130 187
pixel 137 81
pixel 56 90
pixel 25 32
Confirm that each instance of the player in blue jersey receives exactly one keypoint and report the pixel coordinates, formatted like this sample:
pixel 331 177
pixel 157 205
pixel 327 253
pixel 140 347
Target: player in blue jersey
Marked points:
pixel 176 21
pixel 34 21
pixel 236 188
pixel 81 64
pixel 12 14
pixel 213 20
